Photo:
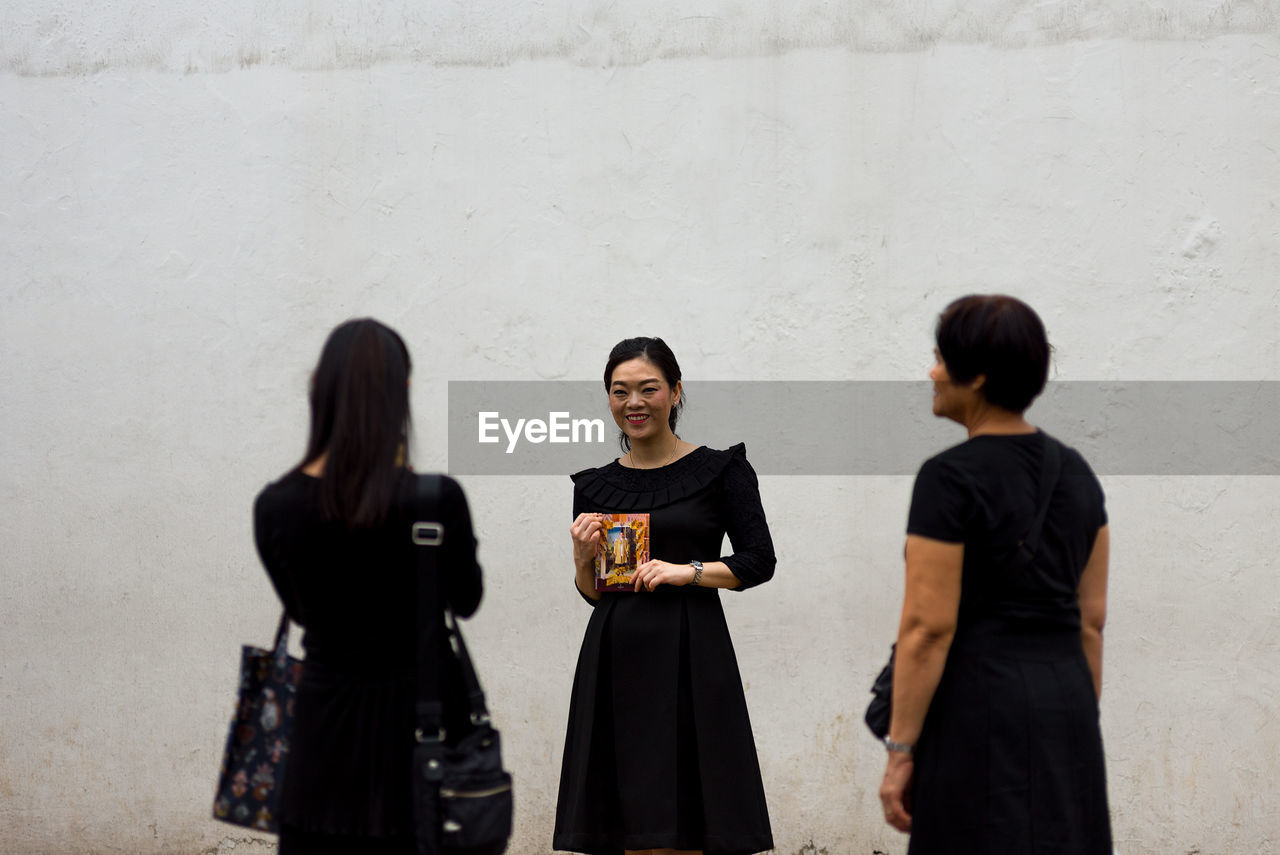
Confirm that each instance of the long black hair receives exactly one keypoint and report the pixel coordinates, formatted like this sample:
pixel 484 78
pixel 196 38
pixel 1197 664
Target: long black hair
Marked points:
pixel 656 353
pixel 360 421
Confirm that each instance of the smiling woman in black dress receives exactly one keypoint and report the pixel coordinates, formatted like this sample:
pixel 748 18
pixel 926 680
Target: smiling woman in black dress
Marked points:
pixel 659 755
pixel 994 744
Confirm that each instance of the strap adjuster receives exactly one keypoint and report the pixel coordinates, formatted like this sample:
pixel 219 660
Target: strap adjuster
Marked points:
pixel 428 533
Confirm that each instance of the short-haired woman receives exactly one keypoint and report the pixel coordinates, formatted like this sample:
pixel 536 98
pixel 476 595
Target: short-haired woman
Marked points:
pixel 994 743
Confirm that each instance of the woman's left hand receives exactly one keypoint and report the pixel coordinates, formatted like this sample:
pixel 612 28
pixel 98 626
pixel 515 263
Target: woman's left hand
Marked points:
pixel 894 789
pixel 651 574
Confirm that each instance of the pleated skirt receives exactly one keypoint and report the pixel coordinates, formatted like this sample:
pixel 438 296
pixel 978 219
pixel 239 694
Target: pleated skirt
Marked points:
pixel 659 751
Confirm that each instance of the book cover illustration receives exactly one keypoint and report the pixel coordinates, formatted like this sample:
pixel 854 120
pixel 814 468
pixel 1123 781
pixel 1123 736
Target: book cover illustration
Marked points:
pixel 624 546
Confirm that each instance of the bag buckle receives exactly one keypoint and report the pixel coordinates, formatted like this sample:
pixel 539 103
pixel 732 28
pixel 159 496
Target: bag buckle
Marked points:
pixel 419 736
pixel 478 719
pixel 428 533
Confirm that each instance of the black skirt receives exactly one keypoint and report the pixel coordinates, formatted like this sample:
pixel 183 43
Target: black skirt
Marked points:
pixel 349 769
pixel 660 752
pixel 1010 759
pixel 295 841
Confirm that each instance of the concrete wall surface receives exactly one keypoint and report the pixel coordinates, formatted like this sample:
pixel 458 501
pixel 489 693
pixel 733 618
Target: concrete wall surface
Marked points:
pixel 194 194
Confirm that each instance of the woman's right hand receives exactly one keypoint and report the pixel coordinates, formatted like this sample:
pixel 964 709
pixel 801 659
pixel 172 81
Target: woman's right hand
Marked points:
pixel 894 790
pixel 586 532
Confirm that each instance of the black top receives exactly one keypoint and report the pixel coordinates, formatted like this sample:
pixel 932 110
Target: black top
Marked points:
pixel 659 751
pixel 354 592
pixel 698 527
pixel 1010 756
pixel 984 493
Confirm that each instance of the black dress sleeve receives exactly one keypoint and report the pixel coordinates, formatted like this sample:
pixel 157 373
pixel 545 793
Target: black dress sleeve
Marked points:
pixel 942 504
pixel 265 532
pixel 580 506
pixel 1080 472
pixel 462 583
pixel 753 559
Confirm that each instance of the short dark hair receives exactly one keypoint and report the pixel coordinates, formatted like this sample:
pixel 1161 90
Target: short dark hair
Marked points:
pixel 1000 337
pixel 360 420
pixel 655 352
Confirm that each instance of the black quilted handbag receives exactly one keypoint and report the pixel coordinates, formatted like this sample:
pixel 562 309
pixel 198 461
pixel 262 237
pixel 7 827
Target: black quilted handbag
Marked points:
pixel 462 799
pixel 881 706
pixel 257 749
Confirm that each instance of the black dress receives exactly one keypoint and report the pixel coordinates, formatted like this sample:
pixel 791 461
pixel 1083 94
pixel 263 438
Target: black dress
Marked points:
pixel 347 782
pixel 659 752
pixel 1010 758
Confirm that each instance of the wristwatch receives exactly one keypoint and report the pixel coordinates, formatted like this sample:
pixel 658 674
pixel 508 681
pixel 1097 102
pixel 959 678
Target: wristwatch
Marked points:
pixel 900 747
pixel 697 572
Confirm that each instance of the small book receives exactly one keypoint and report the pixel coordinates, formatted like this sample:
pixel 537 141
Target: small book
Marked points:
pixel 624 546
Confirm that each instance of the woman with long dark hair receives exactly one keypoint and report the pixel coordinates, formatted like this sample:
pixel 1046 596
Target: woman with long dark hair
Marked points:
pixel 334 536
pixel 994 744
pixel 659 756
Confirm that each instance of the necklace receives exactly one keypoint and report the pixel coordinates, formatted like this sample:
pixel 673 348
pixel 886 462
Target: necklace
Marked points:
pixel 674 449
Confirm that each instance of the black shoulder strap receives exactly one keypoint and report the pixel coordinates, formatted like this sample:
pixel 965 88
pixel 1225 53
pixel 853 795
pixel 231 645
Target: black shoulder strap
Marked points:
pixel 281 646
pixel 428 534
pixel 1050 469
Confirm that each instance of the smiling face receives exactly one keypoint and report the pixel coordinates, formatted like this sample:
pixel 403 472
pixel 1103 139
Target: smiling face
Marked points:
pixel 953 400
pixel 641 400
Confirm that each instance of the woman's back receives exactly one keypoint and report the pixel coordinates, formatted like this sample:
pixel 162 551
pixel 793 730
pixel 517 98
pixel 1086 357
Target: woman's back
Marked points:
pixel 351 589
pixel 984 493
pixel 354 592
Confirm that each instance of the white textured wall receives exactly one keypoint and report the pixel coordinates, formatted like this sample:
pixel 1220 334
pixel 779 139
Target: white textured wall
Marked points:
pixel 192 195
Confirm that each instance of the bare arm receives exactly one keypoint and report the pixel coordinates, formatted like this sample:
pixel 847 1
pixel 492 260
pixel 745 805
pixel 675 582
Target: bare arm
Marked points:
pixel 930 605
pixel 1092 592
pixel 929 608
pixel 715 574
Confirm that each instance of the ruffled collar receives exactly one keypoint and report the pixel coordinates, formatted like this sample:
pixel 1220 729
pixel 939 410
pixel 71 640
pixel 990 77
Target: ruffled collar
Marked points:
pixel 615 486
